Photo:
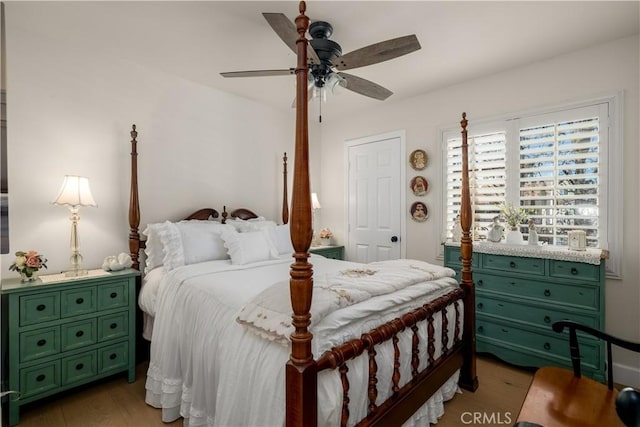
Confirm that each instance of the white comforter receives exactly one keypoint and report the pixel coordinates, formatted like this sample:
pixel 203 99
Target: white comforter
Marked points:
pixel 210 369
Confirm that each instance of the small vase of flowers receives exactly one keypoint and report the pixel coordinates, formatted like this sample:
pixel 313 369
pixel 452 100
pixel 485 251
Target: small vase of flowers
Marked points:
pixel 325 236
pixel 28 264
pixel 514 216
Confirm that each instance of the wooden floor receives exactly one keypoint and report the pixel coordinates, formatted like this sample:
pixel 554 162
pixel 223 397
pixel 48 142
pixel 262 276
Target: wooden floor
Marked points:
pixel 115 403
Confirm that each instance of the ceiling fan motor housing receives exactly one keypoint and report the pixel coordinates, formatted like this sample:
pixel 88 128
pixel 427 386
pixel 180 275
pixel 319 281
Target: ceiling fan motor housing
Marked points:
pixel 326 49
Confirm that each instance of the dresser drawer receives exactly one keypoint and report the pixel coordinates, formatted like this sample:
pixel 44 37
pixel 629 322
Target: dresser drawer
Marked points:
pixel 513 264
pixel 38 308
pixel 547 345
pixel 113 358
pixel 540 316
pixel 113 326
pixel 579 296
pixel 79 367
pixel 574 270
pixel 78 334
pixel 112 295
pixel 77 301
pixel 40 378
pixel 39 343
pixel 454 259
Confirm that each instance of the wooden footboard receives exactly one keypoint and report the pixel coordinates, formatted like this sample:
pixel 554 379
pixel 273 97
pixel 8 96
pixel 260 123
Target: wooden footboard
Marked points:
pixel 403 402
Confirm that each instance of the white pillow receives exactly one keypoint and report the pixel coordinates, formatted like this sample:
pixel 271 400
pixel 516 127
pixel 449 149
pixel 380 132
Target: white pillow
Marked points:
pixel 153 249
pixel 254 224
pixel 190 242
pixel 281 237
pixel 252 246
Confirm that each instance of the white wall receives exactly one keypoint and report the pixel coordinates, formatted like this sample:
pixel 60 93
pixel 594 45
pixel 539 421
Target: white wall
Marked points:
pixel 70 110
pixel 600 70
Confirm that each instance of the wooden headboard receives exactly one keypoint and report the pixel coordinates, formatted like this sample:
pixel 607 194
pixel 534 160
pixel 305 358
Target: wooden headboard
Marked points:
pixel 136 244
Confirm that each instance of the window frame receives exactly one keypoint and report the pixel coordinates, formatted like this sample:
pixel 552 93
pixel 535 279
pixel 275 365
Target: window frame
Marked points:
pixel 611 158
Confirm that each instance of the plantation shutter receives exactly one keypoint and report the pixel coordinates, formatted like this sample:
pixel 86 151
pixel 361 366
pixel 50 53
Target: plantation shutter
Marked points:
pixel 487 177
pixel 560 173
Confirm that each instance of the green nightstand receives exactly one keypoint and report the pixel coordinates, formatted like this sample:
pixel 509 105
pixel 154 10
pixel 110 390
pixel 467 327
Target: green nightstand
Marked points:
pixel 335 252
pixel 65 333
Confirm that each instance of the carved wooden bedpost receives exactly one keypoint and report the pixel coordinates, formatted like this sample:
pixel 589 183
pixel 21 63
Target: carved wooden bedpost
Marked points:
pixel 285 197
pixel 468 377
pixel 301 369
pixel 134 203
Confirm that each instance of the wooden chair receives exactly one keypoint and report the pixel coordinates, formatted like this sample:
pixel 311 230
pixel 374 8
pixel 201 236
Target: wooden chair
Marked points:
pixel 560 397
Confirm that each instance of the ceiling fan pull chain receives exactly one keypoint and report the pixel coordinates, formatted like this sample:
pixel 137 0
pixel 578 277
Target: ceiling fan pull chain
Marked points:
pixel 320 101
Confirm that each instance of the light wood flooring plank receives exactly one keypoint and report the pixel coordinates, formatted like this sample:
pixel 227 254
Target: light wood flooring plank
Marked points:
pixel 116 403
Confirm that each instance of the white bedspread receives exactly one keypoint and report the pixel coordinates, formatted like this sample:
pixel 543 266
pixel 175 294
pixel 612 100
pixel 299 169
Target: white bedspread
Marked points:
pixel 200 355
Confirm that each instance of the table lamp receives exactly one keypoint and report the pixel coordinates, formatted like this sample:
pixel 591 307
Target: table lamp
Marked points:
pixel 315 205
pixel 75 192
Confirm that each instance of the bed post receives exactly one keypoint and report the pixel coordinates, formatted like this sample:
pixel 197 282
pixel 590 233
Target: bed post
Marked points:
pixel 468 377
pixel 134 204
pixel 301 369
pixel 285 198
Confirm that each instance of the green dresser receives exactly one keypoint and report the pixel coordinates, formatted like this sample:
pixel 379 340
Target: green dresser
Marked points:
pixel 335 252
pixel 66 333
pixel 518 298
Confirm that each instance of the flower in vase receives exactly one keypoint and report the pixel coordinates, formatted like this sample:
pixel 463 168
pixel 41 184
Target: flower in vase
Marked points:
pixel 514 216
pixel 28 263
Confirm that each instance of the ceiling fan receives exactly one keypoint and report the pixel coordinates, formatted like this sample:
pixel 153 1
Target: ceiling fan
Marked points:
pixel 325 57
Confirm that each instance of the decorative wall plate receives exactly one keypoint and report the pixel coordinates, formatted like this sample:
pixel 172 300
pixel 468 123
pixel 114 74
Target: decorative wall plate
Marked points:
pixel 418 159
pixel 419 212
pixel 419 185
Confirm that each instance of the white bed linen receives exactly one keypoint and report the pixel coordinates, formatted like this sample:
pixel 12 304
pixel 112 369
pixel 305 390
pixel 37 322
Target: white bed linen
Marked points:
pixel 200 354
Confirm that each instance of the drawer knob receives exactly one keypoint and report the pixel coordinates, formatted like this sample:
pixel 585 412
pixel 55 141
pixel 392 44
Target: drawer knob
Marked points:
pixel 41 343
pixel 79 300
pixel 480 305
pixel 41 378
pixel 480 283
pixel 547 346
pixel 574 271
pixel 79 366
pixel 459 258
pixel 79 334
pixel 547 293
pixel 113 294
pixel 41 307
pixel 512 264
pixel 112 356
pixel 547 319
pixel 480 329
pixel 113 325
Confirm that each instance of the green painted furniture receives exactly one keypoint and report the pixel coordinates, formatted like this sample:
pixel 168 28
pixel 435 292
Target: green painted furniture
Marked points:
pixel 335 252
pixel 518 298
pixel 62 334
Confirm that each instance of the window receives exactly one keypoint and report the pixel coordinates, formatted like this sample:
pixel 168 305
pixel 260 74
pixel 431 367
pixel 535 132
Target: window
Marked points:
pixel 554 164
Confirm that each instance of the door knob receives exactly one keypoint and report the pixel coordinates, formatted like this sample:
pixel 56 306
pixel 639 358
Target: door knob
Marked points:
pixel 394 239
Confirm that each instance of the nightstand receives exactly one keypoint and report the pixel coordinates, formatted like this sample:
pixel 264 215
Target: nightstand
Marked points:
pixel 335 252
pixel 64 333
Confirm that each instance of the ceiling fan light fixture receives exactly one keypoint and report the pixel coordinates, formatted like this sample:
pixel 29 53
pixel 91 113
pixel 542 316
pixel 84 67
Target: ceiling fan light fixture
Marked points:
pixel 335 83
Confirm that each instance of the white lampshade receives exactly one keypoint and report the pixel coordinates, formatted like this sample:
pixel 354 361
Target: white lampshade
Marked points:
pixel 75 191
pixel 315 203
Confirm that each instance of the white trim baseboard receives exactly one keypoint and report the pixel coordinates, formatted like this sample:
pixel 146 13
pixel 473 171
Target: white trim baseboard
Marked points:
pixel 626 375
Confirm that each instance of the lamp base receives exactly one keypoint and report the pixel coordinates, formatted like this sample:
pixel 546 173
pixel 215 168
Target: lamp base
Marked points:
pixel 76 273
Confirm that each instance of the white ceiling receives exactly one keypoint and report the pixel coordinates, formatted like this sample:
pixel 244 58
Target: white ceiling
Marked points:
pixel 460 40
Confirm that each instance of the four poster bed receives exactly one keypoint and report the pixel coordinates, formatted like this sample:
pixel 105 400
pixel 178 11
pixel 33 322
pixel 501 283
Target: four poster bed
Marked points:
pixel 391 352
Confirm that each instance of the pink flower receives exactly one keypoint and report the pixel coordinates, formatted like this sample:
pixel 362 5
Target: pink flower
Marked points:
pixel 33 261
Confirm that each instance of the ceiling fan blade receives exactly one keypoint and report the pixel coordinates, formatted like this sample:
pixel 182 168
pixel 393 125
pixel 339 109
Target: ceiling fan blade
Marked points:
pixel 259 73
pixel 365 87
pixel 378 52
pixel 286 30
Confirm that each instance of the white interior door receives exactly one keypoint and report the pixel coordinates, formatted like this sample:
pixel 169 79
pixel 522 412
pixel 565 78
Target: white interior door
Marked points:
pixel 375 195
